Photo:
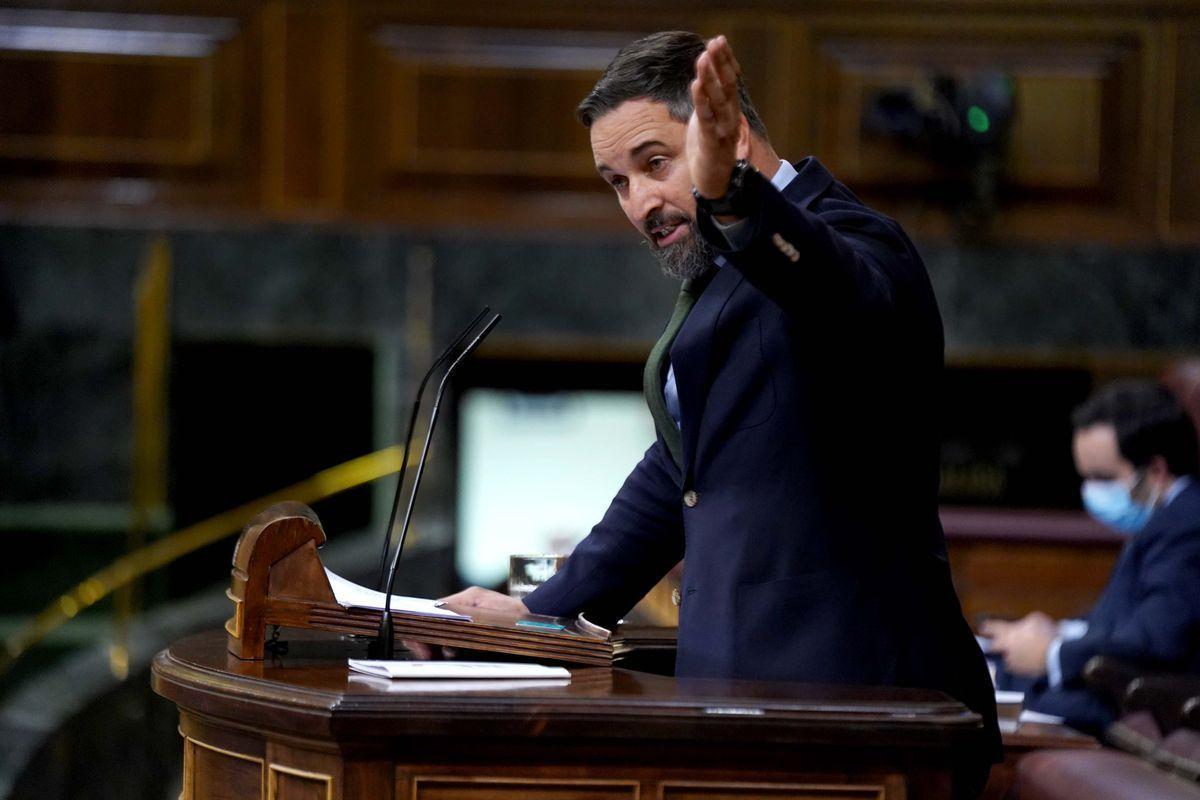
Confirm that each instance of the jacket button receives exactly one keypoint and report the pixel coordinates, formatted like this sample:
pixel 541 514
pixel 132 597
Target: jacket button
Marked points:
pixel 690 498
pixel 676 597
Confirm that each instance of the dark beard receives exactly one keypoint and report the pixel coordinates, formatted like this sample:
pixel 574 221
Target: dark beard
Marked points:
pixel 684 260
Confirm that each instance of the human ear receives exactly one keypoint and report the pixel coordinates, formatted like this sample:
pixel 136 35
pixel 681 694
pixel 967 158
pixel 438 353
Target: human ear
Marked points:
pixel 1155 479
pixel 1158 471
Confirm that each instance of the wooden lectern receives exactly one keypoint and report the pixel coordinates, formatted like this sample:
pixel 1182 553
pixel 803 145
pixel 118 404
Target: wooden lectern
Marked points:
pixel 302 726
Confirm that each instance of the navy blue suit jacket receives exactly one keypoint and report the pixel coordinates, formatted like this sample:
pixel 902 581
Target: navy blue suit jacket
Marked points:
pixel 1149 613
pixel 808 394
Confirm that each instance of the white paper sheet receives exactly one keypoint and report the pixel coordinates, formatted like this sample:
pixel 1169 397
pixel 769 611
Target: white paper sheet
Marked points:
pixel 1037 716
pixel 350 594
pixel 474 670
pixel 434 686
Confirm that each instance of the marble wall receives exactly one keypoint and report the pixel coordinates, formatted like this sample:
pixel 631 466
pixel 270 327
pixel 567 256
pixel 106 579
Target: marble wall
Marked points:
pixel 66 314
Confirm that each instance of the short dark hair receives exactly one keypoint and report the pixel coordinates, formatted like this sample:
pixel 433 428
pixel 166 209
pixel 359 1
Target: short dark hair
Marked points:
pixel 659 67
pixel 1148 420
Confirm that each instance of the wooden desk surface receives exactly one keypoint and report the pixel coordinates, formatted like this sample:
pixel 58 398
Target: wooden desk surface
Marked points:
pixel 1025 736
pixel 311 690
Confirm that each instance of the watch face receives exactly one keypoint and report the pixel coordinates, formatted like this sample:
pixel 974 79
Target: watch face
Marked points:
pixel 730 204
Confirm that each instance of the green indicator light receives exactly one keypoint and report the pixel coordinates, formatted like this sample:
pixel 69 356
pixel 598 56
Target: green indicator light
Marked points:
pixel 977 118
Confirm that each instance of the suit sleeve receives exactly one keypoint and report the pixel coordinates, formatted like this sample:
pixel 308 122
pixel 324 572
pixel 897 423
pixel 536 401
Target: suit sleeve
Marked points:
pixel 1161 624
pixel 842 258
pixel 637 541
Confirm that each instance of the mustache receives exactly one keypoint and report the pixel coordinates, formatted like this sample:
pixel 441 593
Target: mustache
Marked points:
pixel 658 219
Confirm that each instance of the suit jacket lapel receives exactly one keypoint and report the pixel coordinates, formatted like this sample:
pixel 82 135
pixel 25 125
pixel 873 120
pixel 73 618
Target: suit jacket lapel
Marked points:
pixel 690 357
pixel 690 351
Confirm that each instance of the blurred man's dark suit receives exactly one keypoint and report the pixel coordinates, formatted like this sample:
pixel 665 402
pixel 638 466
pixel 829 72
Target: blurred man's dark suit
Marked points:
pixel 1148 614
pixel 808 375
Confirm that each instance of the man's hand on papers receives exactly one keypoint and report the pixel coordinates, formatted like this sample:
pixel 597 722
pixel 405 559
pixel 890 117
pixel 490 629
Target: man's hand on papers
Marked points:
pixel 1022 643
pixel 477 597
pixel 474 597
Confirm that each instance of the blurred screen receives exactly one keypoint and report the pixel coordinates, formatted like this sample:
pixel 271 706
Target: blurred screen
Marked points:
pixel 537 470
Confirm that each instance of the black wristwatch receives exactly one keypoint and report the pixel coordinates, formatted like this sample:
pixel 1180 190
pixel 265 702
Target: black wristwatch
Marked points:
pixel 739 199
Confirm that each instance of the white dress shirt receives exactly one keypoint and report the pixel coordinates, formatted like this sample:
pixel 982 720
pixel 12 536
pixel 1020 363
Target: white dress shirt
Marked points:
pixel 734 233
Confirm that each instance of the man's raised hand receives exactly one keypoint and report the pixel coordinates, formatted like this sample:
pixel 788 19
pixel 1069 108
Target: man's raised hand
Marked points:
pixel 716 124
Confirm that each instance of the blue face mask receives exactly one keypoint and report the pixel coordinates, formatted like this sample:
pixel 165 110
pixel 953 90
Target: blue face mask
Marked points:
pixel 1110 502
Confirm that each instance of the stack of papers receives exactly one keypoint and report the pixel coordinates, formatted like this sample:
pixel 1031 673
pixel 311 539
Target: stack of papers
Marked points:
pixel 357 610
pixel 452 686
pixel 455 669
pixel 351 595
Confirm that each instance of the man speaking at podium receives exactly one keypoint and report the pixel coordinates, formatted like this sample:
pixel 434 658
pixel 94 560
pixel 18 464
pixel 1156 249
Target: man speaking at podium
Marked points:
pixel 795 393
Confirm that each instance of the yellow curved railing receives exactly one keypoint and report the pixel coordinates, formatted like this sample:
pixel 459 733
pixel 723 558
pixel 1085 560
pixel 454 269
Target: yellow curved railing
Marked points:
pixel 144 560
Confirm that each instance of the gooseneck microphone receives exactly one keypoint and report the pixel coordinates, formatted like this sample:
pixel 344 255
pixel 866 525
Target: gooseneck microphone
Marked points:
pixel 385 642
pixel 412 423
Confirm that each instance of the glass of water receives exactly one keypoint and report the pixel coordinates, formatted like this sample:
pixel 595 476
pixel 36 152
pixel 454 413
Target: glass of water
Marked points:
pixel 526 573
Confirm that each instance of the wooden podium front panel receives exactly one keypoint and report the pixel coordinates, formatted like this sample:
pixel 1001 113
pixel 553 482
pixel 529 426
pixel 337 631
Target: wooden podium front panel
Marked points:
pixel 214 772
pixel 298 773
pixel 297 784
pixel 758 791
pixel 492 787
pixel 484 787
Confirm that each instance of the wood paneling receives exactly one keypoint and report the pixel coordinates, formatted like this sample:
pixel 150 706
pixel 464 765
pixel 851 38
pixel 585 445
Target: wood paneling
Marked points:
pixel 287 783
pixel 299 773
pixel 1184 130
pixel 125 108
pixel 304 111
pixel 483 787
pixel 476 101
pixel 1079 115
pixel 220 774
pixel 1009 563
pixel 462 114
pixel 766 50
pixel 764 791
pixel 1012 579
pixel 112 88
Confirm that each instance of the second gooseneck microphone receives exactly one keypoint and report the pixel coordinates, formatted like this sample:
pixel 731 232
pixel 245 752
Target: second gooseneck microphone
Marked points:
pixel 385 641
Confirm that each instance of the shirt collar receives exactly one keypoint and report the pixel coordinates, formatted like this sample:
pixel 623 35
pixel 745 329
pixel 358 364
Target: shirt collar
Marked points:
pixel 784 175
pixel 1175 488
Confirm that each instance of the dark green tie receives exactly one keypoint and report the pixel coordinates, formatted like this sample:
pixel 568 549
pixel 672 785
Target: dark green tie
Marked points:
pixel 652 377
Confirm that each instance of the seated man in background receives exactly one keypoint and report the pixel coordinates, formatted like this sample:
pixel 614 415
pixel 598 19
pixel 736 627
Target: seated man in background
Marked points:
pixel 1136 451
